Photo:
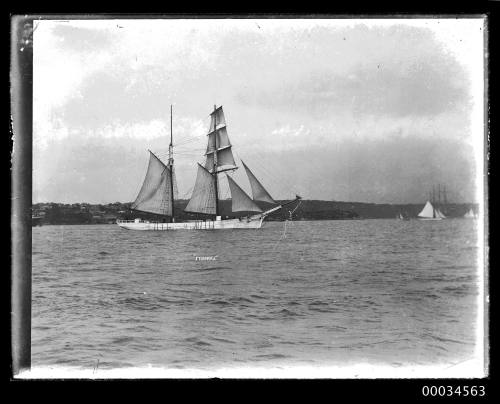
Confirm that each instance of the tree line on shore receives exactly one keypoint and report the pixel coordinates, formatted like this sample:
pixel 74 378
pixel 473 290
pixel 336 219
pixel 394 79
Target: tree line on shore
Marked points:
pixel 84 213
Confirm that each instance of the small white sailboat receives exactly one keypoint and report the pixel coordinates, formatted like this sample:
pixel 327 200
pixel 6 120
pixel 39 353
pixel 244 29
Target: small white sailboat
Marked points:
pixel 400 216
pixel 470 214
pixel 429 212
pixel 159 187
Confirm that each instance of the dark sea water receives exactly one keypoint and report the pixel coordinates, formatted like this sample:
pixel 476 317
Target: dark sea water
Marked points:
pixel 318 293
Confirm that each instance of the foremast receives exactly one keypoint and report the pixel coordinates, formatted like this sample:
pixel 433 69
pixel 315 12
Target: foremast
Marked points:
pixel 214 173
pixel 171 166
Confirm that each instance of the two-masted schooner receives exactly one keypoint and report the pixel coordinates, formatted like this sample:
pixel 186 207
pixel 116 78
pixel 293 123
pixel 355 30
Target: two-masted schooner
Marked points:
pixel 158 189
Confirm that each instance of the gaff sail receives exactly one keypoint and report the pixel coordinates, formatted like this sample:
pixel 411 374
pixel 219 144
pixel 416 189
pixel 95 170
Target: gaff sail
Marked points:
pixel 155 195
pixel 203 196
pixel 259 193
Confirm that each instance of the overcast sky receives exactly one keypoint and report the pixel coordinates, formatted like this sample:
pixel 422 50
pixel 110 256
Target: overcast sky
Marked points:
pixel 358 110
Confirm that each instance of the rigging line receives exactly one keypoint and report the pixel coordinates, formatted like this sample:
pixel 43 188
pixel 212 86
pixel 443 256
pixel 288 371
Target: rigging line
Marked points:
pixel 283 235
pixel 278 183
pixel 179 144
pixel 270 178
pixel 270 170
pixel 193 153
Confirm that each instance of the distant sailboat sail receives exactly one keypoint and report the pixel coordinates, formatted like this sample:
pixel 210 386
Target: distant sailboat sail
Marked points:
pixel 470 214
pixel 259 193
pixel 427 211
pixel 440 214
pixel 155 195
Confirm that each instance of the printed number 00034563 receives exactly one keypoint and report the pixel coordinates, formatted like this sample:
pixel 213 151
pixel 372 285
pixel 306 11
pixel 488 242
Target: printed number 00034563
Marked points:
pixel 463 391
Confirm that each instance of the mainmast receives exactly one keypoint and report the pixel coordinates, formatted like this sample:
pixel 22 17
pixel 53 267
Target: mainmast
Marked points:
pixel 216 180
pixel 171 165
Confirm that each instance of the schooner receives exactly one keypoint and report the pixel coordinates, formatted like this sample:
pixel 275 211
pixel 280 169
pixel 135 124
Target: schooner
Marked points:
pixel 158 190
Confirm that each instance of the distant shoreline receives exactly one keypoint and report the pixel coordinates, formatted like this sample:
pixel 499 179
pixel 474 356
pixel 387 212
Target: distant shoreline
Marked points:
pixel 308 210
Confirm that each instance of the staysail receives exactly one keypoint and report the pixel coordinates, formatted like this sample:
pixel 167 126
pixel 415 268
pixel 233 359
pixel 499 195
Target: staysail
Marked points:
pixel 203 196
pixel 427 211
pixel 259 193
pixel 155 194
pixel 241 202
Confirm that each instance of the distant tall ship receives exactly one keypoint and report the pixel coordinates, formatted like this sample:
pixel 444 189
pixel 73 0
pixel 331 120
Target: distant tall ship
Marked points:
pixel 432 210
pixel 159 187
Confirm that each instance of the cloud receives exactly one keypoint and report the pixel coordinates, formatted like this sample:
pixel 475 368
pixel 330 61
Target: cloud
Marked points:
pixel 329 97
pixel 413 77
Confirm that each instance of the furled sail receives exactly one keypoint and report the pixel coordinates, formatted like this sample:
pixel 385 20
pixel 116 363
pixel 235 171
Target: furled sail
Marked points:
pixel 427 211
pixel 241 202
pixel 259 193
pixel 217 116
pixel 203 197
pixel 155 194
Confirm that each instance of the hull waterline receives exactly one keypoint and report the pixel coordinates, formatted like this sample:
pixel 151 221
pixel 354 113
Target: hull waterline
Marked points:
pixel 252 223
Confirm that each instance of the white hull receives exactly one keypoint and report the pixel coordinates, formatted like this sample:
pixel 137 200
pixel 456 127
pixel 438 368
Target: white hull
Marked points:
pixel 244 223
pixel 430 218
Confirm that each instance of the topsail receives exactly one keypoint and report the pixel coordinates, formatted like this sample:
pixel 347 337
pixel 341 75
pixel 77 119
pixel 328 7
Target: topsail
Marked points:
pixel 217 119
pixel 155 195
pixel 218 143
